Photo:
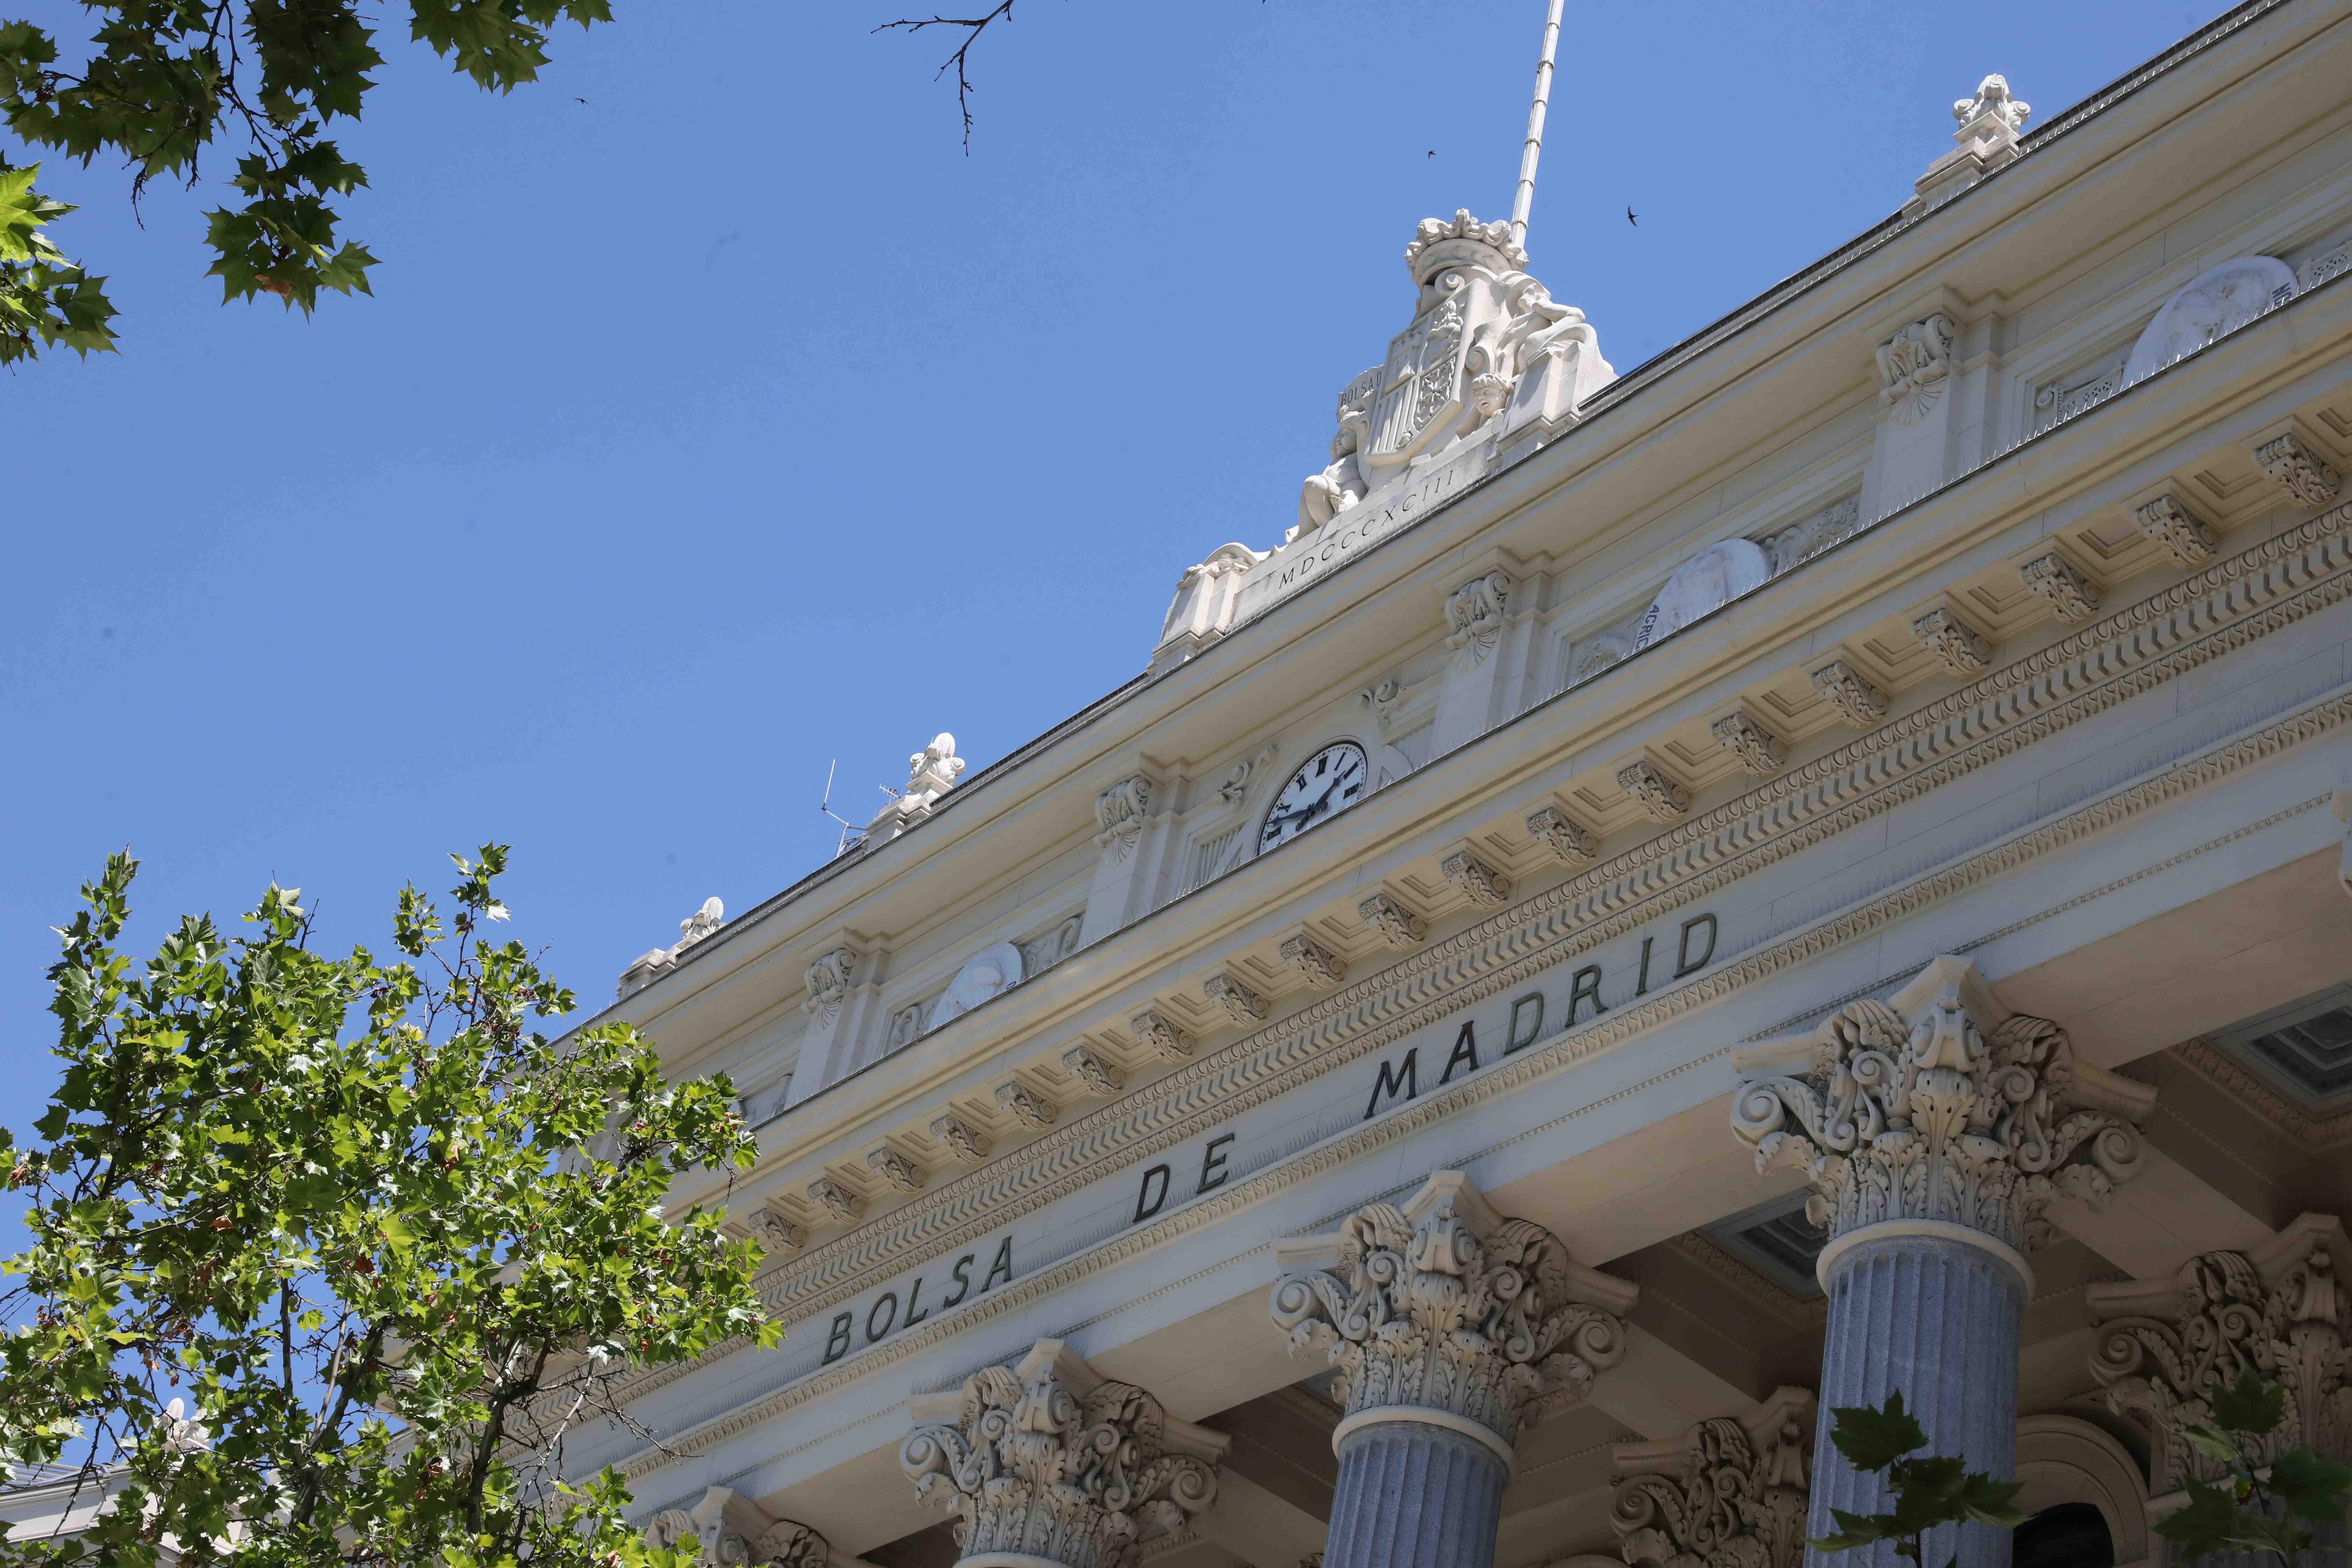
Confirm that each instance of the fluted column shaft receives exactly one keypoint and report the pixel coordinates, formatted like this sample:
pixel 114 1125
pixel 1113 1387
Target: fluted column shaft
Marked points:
pixel 1936 1317
pixel 1415 1495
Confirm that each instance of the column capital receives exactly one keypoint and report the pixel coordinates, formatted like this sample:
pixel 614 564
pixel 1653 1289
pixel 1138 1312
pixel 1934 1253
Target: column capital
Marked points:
pixel 1732 1491
pixel 731 1530
pixel 1939 1106
pixel 2279 1307
pixel 1443 1310
pixel 1049 1463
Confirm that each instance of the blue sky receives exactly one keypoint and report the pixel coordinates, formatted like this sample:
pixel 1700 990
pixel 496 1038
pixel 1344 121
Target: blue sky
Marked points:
pixel 734 420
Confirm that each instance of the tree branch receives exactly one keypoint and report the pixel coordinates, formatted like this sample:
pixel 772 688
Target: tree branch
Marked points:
pixel 973 27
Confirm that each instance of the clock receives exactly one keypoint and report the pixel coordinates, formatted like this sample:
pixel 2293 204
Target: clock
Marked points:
pixel 1331 780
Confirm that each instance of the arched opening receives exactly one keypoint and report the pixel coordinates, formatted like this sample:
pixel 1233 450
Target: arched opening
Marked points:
pixel 2070 1535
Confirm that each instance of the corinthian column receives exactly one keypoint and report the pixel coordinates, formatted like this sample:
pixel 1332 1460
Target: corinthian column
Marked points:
pixel 1052 1465
pixel 1937 1128
pixel 1453 1328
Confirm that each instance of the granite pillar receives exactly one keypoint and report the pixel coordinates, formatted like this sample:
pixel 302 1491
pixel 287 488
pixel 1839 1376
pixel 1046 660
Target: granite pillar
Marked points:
pixel 1412 1494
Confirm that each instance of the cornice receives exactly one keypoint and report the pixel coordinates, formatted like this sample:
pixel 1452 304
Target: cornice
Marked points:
pixel 2264 589
pixel 2241 1083
pixel 1749 1285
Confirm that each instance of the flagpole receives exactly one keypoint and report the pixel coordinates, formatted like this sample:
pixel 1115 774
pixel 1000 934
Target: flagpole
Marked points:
pixel 1525 196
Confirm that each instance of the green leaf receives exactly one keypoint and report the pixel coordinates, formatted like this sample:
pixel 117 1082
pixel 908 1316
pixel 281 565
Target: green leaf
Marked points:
pixel 2211 1442
pixel 2208 1524
pixel 2310 1484
pixel 1874 1439
pixel 2249 1404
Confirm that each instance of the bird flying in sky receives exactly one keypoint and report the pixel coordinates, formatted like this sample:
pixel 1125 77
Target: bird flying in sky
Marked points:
pixel 1632 219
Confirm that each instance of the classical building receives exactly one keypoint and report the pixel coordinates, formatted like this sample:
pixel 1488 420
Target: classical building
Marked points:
pixel 1665 903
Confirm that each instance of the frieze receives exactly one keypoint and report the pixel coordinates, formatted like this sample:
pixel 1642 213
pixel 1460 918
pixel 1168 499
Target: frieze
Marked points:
pixel 2240 599
pixel 1351 532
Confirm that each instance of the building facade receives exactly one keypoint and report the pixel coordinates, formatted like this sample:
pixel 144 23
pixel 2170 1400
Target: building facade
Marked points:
pixel 1663 904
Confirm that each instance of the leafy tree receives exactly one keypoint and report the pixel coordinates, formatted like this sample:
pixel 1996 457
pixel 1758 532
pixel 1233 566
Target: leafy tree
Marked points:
pixel 2266 1501
pixel 388 1241
pixel 1928 1491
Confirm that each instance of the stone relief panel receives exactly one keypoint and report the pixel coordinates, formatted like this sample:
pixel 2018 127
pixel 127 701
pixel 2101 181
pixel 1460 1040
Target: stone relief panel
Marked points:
pixel 1913 366
pixel 1792 546
pixel 988 973
pixel 1707 582
pixel 2209 307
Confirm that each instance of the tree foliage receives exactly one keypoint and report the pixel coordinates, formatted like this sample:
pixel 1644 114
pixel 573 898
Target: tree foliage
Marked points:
pixel 160 85
pixel 1928 1491
pixel 2266 1501
pixel 388 1242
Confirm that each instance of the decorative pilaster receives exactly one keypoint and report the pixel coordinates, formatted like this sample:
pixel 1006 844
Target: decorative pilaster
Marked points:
pixel 1936 1128
pixel 1453 1328
pixel 1731 1492
pixel 2280 1309
pixel 1049 1465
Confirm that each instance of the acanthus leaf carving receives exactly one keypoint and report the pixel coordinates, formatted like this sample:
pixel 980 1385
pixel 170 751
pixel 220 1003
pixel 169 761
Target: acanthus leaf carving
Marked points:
pixel 1242 1005
pixel 1444 1305
pixel 1731 1492
pixel 1087 1066
pixel 1474 617
pixel 836 1198
pixel 1399 926
pixel 2304 474
pixel 1119 812
pixel 1660 797
pixel 731 1531
pixel 1758 749
pixel 903 1174
pixel 1162 1035
pixel 1959 647
pixel 1048 1461
pixel 1312 958
pixel 1913 366
pixel 1569 840
pixel 1922 1110
pixel 828 980
pixel 1481 883
pixel 2183 535
pixel 1025 1106
pixel 775 1232
pixel 969 1143
pixel 1858 701
pixel 2060 581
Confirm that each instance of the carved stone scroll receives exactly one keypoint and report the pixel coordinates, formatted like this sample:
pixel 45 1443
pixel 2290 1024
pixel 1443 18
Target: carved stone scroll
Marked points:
pixel 776 1233
pixel 1562 835
pixel 1048 1462
pixel 2058 580
pixel 1398 926
pixel 1484 886
pixel 1940 1105
pixel 1022 1104
pixel 1731 1492
pixel 1444 1305
pixel 730 1530
pixel 903 1174
pixel 1311 958
pixel 1858 702
pixel 2300 471
pixel 2182 532
pixel 1162 1035
pixel 1085 1064
pixel 969 1143
pixel 1958 647
pixel 836 1198
pixel 1242 1005
pixel 1474 617
pixel 1758 749
pixel 2280 1309
pixel 1660 798
pixel 827 980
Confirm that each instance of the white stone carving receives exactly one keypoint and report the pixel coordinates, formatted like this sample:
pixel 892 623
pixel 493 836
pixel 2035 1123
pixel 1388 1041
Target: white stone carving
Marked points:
pixel 1940 1105
pixel 1731 1492
pixel 1706 583
pixel 1987 139
pixel 1859 702
pixel 1758 749
pixel 2060 581
pixel 1562 835
pixel 2211 306
pixel 732 1530
pixel 1795 545
pixel 1474 613
pixel 1913 366
pixel 930 773
pixel 1161 1036
pixel 1444 1305
pixel 1041 953
pixel 1119 812
pixel 986 975
pixel 1312 958
pixel 1050 1463
pixel 2182 533
pixel 906 1028
pixel 1025 1106
pixel 903 1174
pixel 776 1233
pixel 1207 600
pixel 2320 269
pixel 1597 653
pixel 835 1198
pixel 648 967
pixel 2280 1309
pixel 1086 1064
pixel 1956 645
pixel 969 1142
pixel 1484 886
pixel 1235 784
pixel 2302 473
pixel 1398 926
pixel 2055 402
pixel 1660 798
pixel 828 980
pixel 1242 1005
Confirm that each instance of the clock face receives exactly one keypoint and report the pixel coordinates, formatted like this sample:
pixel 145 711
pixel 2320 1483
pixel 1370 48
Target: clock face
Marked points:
pixel 1331 780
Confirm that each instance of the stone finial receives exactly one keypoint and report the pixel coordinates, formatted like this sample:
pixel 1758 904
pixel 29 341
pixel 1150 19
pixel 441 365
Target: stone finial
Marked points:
pixel 1758 749
pixel 1087 1066
pixel 1994 109
pixel 1990 124
pixel 1481 883
pixel 1022 1104
pixel 827 982
pixel 1049 1462
pixel 969 1143
pixel 1444 1305
pixel 1119 812
pixel 650 966
pixel 1398 926
pixel 730 1529
pixel 1913 366
pixel 2060 581
pixel 1474 618
pixel 930 773
pixel 1242 1005
pixel 1731 1492
pixel 1566 837
pixel 700 923
pixel 1660 798
pixel 1312 958
pixel 2169 522
pixel 1939 1104
pixel 1858 702
pixel 1162 1035
pixel 1958 647
pixel 2279 1309
pixel 2302 473
pixel 838 1199
pixel 903 1174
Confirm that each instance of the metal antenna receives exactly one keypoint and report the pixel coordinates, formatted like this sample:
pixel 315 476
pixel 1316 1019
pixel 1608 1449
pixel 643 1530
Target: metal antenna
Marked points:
pixel 1525 196
pixel 849 830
